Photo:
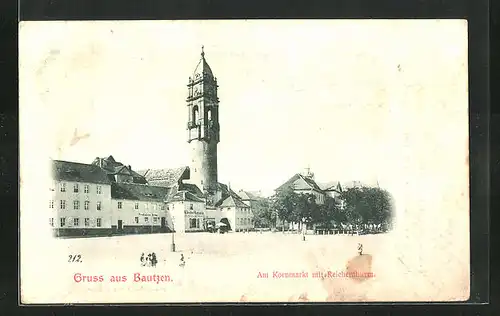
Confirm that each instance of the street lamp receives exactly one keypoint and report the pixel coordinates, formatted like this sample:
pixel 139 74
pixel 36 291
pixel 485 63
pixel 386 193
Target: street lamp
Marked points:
pixel 173 232
pixel 303 229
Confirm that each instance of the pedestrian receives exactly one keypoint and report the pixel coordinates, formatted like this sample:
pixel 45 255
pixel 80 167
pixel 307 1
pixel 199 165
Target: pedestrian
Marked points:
pixel 153 259
pixel 142 260
pixel 183 263
pixel 149 259
pixel 360 249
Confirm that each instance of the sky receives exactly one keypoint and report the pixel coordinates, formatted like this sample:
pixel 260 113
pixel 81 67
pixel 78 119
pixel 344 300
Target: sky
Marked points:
pixel 370 100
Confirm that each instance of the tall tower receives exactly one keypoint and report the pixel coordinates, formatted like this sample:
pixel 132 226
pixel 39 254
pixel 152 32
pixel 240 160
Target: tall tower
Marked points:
pixel 203 126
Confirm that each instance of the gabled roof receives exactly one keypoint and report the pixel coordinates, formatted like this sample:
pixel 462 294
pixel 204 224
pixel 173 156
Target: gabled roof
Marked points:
pixel 138 192
pixel 78 172
pixel 186 197
pixel 291 183
pixel 229 197
pixel 245 195
pixel 165 177
pixel 232 201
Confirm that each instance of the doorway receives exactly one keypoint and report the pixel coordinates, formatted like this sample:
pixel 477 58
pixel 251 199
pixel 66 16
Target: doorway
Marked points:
pixel 163 222
pixel 120 225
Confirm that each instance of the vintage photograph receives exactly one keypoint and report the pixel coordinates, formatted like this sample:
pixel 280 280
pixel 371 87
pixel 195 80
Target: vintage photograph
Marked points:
pixel 244 161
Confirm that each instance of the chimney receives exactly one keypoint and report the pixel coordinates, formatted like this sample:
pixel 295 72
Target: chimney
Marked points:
pixel 129 167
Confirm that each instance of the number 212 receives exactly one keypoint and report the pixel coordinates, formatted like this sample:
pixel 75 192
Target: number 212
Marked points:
pixel 75 258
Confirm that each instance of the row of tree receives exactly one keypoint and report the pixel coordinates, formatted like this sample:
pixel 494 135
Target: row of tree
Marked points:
pixel 355 206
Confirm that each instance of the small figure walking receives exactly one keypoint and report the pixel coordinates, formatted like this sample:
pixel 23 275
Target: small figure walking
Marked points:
pixel 153 260
pixel 360 249
pixel 183 263
pixel 143 263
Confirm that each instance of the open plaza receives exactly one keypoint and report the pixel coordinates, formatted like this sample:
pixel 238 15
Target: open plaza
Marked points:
pixel 229 267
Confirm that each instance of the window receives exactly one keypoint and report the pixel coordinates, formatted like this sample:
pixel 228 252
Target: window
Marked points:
pixel 51 204
pixel 168 208
pixel 136 206
pixel 51 222
pixel 99 189
pixel 197 223
pixel 155 220
pixel 75 188
pixel 163 207
pixel 191 206
pixel 201 182
pixel 98 206
pixel 146 219
pixel 136 220
pixel 76 221
pixel 98 222
pixel 63 221
pixel 76 205
pixel 63 204
pixel 86 205
pixel 154 207
pixel 87 222
pixel 86 188
pixel 195 113
pixel 119 205
pixel 63 187
pixel 192 223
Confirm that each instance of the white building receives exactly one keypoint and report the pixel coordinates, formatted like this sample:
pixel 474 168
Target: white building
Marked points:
pixel 139 208
pixel 109 198
pixel 80 202
pixel 238 214
pixel 187 212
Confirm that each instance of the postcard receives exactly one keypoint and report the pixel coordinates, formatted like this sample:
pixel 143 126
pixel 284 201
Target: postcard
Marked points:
pixel 239 161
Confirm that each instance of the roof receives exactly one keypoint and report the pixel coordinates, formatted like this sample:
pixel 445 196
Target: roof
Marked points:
pixel 331 186
pixel 191 188
pixel 165 177
pixel 138 192
pixel 202 69
pixel 232 201
pixel 228 197
pixel 185 196
pixel 78 172
pixel 291 183
pixel 113 167
pixel 246 195
pixel 338 186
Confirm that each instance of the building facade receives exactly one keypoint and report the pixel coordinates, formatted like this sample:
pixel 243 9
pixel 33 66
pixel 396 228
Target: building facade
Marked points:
pixel 139 208
pixel 80 202
pixel 187 212
pixel 238 215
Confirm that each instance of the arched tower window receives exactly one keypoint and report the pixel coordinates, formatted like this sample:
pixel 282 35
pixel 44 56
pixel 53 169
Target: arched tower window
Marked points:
pixel 209 114
pixel 195 113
